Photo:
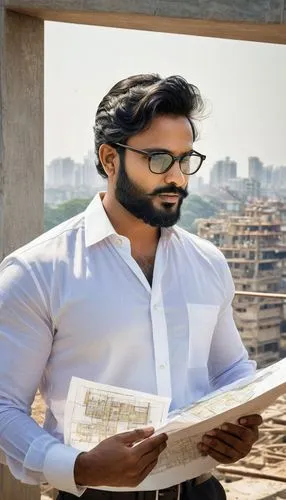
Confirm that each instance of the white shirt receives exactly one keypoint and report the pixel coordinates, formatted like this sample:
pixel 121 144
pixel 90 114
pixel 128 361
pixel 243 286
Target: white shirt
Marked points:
pixel 75 302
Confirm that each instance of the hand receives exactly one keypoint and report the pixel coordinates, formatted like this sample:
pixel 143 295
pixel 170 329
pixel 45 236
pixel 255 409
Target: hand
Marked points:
pixel 231 442
pixel 116 462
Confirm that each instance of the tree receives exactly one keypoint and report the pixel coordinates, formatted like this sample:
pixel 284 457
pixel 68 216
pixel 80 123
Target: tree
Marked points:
pixel 194 207
pixel 54 216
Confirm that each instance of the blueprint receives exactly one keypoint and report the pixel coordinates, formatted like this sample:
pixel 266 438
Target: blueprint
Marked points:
pixel 95 411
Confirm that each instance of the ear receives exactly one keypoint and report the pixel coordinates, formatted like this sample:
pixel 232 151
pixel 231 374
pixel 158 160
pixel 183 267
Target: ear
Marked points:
pixel 109 159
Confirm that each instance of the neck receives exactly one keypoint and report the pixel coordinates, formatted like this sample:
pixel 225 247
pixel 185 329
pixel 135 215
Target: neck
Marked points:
pixel 140 234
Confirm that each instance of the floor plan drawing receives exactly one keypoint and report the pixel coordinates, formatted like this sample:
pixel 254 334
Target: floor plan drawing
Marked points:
pixel 95 411
pixel 180 452
pixel 222 402
pixel 108 416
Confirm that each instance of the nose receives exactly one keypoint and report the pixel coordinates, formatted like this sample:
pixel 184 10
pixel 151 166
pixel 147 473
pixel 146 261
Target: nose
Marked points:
pixel 175 175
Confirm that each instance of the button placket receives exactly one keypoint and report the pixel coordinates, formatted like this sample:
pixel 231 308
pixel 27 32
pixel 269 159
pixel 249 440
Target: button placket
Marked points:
pixel 124 250
pixel 159 327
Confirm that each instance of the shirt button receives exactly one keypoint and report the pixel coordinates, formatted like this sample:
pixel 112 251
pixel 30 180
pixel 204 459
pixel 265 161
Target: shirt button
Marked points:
pixel 119 242
pixel 156 307
pixel 163 366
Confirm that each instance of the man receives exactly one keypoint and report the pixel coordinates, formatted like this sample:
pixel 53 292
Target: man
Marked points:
pixel 122 296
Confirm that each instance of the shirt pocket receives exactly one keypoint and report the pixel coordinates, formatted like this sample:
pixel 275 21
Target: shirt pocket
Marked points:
pixel 202 322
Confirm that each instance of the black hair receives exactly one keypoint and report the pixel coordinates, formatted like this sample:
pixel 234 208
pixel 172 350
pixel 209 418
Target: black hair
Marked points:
pixel 132 103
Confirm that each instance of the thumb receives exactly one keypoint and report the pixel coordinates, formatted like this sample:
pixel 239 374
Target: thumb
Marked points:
pixel 132 437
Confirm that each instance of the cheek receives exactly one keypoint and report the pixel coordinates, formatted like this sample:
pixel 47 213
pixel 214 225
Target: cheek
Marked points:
pixel 144 180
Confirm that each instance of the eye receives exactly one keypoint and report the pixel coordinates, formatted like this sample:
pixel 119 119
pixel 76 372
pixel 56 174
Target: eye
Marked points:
pixel 186 159
pixel 160 162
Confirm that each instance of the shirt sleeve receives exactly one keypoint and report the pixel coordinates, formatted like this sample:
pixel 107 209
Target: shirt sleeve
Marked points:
pixel 26 339
pixel 228 359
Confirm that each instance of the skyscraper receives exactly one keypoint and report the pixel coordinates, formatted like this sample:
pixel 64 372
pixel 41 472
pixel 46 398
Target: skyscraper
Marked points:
pixel 222 172
pixel 255 168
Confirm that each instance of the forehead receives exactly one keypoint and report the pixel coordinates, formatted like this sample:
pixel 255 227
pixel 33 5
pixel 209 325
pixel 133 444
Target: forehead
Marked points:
pixel 173 133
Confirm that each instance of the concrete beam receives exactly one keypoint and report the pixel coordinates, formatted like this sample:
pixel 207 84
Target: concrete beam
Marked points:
pixel 21 129
pixel 262 20
pixel 263 11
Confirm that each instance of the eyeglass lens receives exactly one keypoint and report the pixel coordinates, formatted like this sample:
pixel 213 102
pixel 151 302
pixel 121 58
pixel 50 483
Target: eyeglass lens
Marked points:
pixel 160 162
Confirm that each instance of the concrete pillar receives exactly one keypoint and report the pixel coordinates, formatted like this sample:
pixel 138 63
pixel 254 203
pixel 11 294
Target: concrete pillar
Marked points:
pixel 21 129
pixel 10 489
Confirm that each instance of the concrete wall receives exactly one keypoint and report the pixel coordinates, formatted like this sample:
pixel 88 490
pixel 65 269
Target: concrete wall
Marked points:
pixel 21 129
pixel 260 20
pixel 258 11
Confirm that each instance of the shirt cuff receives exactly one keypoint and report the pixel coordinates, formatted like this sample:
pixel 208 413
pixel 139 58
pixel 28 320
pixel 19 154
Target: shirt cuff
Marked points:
pixel 59 468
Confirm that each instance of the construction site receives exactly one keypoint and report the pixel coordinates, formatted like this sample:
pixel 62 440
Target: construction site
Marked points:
pixel 254 244
pixel 261 475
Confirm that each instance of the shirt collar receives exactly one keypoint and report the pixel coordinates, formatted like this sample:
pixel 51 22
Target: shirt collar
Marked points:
pixel 98 226
pixel 170 231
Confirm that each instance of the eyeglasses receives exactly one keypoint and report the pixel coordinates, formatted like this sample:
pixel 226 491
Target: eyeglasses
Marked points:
pixel 161 162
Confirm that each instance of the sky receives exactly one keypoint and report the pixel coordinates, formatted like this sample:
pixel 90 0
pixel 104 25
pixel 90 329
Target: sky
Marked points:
pixel 243 85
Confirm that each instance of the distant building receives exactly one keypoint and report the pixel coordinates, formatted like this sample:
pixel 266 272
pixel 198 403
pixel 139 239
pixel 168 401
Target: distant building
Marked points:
pixel 255 168
pixel 64 173
pixel 90 175
pixel 245 187
pixel 69 172
pixel 256 253
pixel 196 184
pixel 222 172
pixel 60 172
pixel 267 177
pixel 279 178
pixel 232 206
pixel 272 179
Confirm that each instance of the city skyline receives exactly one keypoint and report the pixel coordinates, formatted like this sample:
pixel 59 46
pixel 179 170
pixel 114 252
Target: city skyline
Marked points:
pixel 243 84
pixel 226 162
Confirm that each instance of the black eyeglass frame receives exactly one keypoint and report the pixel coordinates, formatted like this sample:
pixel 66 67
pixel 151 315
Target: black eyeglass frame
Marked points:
pixel 174 158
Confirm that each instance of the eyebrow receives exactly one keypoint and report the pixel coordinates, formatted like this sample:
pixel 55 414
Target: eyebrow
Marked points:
pixel 162 150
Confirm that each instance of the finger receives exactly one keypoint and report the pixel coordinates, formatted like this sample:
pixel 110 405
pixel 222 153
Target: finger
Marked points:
pixel 202 449
pixel 148 458
pixel 148 445
pixel 251 420
pixel 243 447
pixel 255 433
pixel 219 457
pixel 238 431
pixel 224 448
pixel 136 435
pixel 250 434
pixel 147 470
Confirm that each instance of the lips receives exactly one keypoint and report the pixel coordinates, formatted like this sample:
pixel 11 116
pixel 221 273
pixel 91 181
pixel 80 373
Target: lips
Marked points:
pixel 169 198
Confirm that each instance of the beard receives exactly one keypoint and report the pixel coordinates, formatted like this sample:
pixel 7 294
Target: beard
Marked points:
pixel 140 204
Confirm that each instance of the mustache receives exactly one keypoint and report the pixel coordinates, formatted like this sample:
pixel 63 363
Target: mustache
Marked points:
pixel 171 189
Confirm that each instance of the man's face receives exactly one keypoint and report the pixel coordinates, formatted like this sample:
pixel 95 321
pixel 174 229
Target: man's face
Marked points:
pixel 155 198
